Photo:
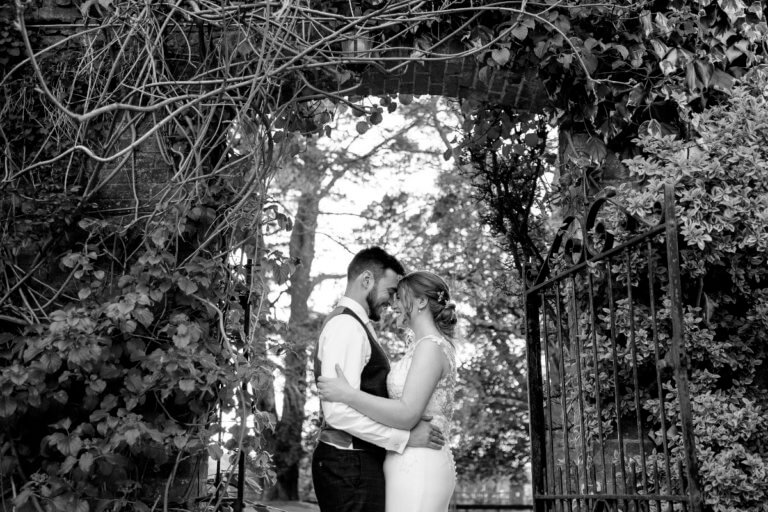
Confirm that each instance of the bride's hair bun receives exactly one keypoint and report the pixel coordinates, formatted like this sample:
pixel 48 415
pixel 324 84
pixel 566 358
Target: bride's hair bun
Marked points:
pixel 427 284
pixel 446 319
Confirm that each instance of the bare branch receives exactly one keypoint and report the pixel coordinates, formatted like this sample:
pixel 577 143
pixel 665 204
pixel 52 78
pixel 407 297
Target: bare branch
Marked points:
pixel 325 277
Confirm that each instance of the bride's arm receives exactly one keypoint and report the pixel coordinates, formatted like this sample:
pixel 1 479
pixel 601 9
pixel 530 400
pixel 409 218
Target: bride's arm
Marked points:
pixel 426 369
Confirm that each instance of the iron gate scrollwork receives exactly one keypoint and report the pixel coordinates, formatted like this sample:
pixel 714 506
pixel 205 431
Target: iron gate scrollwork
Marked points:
pixel 611 423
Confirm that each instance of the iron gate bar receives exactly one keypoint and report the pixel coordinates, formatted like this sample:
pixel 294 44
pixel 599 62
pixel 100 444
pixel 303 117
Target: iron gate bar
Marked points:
pixel 536 409
pixel 657 354
pixel 556 316
pixel 581 265
pixel 593 317
pixel 616 391
pixel 633 345
pixel 580 387
pixel 564 406
pixel 550 473
pixel 612 496
pixel 679 359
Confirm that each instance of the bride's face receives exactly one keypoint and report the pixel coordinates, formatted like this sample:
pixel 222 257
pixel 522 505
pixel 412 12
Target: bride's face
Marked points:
pixel 401 312
pixel 405 308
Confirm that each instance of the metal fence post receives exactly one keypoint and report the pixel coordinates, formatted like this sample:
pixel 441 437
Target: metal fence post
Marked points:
pixel 677 348
pixel 535 398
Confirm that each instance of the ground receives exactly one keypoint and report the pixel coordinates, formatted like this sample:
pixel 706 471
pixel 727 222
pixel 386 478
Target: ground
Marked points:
pixel 291 506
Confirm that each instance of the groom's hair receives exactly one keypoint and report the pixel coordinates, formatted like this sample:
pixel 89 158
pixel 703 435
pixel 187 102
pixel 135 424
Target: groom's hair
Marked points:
pixel 375 259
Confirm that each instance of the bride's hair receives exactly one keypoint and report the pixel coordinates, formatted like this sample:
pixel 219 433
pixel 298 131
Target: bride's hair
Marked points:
pixel 422 283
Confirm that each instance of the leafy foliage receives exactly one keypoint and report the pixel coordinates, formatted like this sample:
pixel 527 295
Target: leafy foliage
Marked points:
pixel 618 69
pixel 123 329
pixel 722 195
pixel 506 158
pixel 125 379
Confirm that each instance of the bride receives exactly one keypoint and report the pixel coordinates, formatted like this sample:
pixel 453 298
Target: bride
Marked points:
pixel 420 384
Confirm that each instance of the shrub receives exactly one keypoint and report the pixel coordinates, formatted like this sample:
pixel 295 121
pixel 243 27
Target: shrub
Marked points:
pixel 722 209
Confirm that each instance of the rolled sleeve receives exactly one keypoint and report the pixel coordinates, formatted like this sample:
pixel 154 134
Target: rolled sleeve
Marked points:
pixel 345 342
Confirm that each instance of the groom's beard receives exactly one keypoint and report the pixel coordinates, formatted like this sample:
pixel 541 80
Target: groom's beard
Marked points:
pixel 373 308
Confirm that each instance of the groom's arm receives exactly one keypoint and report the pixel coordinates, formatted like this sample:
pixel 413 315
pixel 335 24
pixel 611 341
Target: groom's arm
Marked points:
pixel 344 342
pixel 425 372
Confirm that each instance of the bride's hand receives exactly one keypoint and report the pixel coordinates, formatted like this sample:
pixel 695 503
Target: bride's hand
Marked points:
pixel 334 389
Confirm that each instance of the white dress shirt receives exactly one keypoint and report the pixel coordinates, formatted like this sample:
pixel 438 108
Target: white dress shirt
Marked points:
pixel 343 341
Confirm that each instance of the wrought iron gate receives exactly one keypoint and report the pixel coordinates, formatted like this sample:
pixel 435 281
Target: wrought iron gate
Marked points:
pixel 610 417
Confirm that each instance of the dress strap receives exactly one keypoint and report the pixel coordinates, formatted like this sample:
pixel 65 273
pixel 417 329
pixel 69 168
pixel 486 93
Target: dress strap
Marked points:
pixel 446 346
pixel 434 337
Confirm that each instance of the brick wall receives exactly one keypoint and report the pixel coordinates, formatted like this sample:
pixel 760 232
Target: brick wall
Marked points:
pixel 455 78
pixel 138 182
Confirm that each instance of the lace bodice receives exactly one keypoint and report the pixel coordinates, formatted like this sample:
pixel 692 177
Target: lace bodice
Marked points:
pixel 440 405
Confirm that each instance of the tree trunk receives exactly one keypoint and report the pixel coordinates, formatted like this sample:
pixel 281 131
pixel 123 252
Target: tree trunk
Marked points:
pixel 288 449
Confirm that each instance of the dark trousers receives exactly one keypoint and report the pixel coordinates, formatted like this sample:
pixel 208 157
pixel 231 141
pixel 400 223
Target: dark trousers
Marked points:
pixel 348 480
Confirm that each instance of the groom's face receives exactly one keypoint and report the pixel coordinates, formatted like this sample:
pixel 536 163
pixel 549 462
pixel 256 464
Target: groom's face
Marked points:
pixel 382 293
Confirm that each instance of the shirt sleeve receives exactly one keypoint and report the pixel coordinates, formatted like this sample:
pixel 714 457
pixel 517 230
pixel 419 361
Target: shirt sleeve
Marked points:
pixel 344 341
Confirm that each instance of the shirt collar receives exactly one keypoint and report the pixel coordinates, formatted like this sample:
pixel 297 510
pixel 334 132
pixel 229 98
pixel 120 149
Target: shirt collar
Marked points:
pixel 356 307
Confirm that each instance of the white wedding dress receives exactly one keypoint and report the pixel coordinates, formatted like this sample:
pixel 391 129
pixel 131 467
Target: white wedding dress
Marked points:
pixel 422 479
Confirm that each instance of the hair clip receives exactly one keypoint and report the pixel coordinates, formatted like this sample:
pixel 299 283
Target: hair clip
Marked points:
pixel 441 298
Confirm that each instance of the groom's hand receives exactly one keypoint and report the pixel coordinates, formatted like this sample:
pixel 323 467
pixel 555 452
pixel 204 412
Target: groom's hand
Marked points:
pixel 426 435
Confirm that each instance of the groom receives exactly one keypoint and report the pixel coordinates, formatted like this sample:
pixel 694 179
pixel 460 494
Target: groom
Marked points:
pixel 347 463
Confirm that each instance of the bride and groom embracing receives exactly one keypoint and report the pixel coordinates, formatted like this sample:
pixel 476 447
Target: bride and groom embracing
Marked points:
pixel 381 445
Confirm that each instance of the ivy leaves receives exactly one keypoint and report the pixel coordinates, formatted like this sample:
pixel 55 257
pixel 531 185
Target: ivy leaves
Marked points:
pixel 118 349
pixel 721 200
pixel 612 69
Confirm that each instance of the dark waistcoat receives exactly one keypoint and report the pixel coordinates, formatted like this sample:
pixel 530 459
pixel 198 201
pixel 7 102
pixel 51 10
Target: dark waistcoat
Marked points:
pixel 373 380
